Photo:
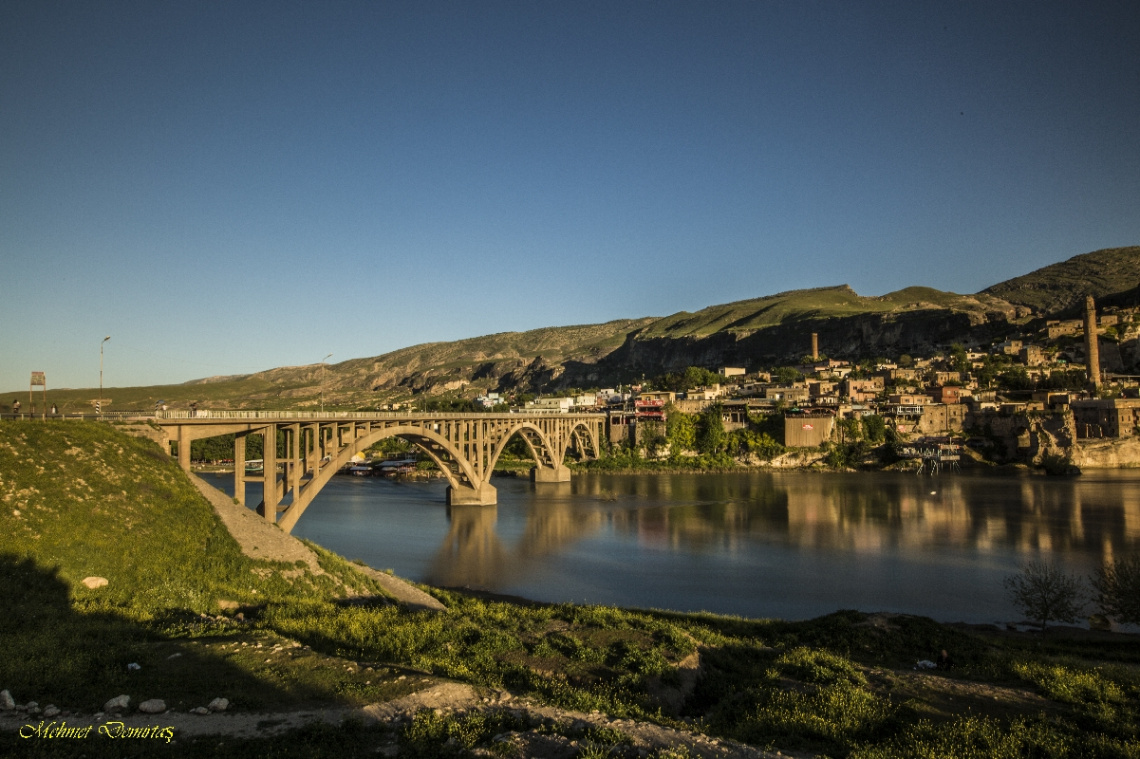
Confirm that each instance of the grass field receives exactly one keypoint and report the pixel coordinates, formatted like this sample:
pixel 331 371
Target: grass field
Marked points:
pixel 80 499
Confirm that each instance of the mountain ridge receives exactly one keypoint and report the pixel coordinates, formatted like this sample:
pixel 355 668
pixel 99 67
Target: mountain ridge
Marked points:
pixel 753 333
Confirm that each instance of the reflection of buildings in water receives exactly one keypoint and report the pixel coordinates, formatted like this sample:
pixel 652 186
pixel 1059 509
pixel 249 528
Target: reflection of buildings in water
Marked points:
pixel 870 513
pixel 1035 514
pixel 861 514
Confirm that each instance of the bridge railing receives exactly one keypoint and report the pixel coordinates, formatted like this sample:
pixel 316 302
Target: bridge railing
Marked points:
pixel 206 414
pixel 106 416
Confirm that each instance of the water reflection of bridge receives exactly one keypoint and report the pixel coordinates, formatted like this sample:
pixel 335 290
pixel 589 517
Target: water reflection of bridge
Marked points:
pixel 473 554
pixel 465 447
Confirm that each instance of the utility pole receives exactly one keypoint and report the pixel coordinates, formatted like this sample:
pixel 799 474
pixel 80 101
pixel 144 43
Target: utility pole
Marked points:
pixel 323 360
pixel 99 403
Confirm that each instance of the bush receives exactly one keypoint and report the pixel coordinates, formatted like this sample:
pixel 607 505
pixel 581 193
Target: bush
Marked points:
pixel 1117 586
pixel 1044 592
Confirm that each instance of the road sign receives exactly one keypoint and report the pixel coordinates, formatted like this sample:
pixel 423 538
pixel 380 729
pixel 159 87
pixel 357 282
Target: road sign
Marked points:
pixel 38 378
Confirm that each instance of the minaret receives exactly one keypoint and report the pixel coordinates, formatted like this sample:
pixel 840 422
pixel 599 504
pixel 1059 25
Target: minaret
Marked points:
pixel 815 346
pixel 1092 348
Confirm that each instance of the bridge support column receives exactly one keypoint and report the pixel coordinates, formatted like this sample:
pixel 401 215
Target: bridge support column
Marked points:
pixel 239 469
pixel 269 478
pixel 296 465
pixel 184 448
pixel 484 494
pixel 560 473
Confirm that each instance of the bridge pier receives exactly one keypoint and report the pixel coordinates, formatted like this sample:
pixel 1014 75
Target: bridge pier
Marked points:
pixel 484 494
pixel 559 473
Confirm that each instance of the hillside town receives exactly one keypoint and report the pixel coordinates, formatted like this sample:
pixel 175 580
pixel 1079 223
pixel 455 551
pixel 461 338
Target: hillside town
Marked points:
pixel 1019 400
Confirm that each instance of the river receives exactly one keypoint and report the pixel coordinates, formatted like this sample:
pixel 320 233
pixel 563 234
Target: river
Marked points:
pixel 791 545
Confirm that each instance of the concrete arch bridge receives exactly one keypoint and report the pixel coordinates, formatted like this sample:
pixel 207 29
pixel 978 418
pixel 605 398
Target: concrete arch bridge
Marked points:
pixel 318 445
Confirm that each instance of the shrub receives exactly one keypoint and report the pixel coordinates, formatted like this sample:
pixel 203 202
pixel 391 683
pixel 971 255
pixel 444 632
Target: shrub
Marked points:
pixel 1044 592
pixel 1117 586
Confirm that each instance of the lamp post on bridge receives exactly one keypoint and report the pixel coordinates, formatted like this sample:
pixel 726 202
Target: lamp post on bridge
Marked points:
pixel 323 360
pixel 99 403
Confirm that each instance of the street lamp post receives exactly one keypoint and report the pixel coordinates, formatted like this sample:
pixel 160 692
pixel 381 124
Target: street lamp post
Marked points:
pixel 323 360
pixel 100 403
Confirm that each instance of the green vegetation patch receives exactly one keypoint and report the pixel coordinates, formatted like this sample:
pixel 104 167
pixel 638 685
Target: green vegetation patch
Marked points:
pixel 571 656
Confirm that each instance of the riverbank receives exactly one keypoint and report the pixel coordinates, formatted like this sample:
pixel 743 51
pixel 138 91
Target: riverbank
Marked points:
pixel 323 661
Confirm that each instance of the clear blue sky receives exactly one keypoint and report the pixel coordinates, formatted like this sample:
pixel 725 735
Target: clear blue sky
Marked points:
pixel 225 187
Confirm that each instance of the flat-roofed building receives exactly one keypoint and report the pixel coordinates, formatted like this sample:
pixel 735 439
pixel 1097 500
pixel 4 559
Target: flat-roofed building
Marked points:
pixel 1032 355
pixel 861 390
pixel 940 418
pixel 1107 417
pixel 807 429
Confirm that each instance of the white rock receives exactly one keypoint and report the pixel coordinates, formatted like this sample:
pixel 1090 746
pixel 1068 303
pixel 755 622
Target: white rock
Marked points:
pixel 117 704
pixel 7 703
pixel 199 710
pixel 51 710
pixel 134 666
pixel 152 706
pixel 219 705
pixel 95 582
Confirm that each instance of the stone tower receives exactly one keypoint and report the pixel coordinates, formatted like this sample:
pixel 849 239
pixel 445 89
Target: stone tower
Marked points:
pixel 815 346
pixel 1092 348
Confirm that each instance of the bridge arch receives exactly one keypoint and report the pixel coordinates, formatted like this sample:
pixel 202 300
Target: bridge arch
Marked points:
pixel 465 446
pixel 456 470
pixel 536 441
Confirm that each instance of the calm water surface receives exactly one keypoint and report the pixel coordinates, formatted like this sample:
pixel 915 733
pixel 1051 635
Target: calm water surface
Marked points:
pixel 793 545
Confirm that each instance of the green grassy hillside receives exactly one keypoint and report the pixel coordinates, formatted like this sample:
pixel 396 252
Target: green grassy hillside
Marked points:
pixel 1063 286
pixel 80 498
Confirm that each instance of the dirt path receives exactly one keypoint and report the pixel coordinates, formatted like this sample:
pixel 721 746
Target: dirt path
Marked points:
pixel 261 540
pixel 442 697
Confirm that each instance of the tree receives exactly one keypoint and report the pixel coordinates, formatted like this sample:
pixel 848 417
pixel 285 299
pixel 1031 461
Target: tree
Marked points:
pixel 711 437
pixel 1015 379
pixel 874 428
pixel 959 361
pixel 786 375
pixel 680 431
pixel 1117 586
pixel 1043 591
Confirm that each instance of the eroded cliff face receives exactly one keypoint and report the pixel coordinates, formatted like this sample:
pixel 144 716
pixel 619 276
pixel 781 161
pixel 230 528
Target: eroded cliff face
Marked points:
pixel 917 331
pixel 1051 443
pixel 1116 453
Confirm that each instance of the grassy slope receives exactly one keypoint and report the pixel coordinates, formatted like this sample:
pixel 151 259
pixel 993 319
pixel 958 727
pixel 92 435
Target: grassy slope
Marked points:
pixel 1063 286
pixel 93 501
pixel 799 305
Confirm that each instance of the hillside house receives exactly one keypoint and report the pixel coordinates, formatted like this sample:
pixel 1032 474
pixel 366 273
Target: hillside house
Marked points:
pixel 705 393
pixel 941 418
pixel 1032 355
pixel 808 429
pixel 1055 328
pixel 1105 418
pixel 946 394
pixel 861 390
